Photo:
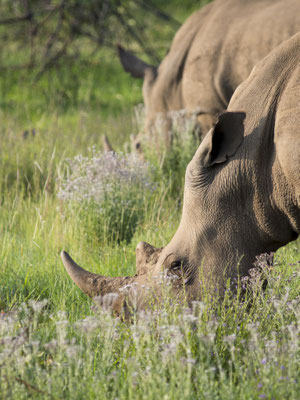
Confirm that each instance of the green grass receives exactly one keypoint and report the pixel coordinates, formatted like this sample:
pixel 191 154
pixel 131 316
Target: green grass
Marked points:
pixel 99 83
pixel 238 349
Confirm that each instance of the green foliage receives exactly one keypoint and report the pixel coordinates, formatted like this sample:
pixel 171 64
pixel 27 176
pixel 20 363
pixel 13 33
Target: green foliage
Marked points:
pixel 45 34
pixel 171 160
pixel 100 84
pixel 175 160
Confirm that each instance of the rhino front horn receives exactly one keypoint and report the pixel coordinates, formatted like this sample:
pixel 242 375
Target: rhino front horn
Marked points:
pixel 86 281
pixel 92 284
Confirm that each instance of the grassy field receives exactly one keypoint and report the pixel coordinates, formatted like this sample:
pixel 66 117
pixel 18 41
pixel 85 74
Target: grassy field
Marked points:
pixel 55 342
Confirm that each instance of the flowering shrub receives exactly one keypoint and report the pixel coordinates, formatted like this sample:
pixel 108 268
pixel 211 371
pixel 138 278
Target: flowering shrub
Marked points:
pixel 109 189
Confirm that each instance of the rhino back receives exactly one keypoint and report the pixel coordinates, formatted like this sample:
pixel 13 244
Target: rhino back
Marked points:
pixel 271 151
pixel 167 89
pixel 235 36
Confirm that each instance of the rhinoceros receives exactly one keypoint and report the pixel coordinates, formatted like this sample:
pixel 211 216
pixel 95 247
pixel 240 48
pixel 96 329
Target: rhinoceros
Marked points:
pixel 211 54
pixel 241 194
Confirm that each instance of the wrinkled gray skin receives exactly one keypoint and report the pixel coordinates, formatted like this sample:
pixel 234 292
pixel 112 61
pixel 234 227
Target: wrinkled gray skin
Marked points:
pixel 211 54
pixel 242 190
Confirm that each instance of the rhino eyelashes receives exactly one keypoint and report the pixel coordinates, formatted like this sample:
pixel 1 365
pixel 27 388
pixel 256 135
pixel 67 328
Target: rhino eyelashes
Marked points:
pixel 175 265
pixel 187 270
pixel 184 270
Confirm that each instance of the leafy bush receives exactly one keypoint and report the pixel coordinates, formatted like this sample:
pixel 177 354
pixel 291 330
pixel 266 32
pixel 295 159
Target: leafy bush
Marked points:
pixel 108 191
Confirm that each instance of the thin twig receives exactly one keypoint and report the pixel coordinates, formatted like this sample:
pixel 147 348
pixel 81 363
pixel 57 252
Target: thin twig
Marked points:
pixel 29 386
pixel 159 13
pixel 15 20
pixel 53 59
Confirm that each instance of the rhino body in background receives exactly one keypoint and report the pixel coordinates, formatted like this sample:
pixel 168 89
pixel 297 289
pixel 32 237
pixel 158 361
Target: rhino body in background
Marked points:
pixel 211 54
pixel 242 190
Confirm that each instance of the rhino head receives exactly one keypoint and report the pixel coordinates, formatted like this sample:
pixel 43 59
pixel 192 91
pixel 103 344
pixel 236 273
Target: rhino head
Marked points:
pixel 140 69
pixel 227 220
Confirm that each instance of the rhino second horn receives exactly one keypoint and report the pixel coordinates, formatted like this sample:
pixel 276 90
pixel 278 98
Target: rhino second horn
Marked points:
pixel 106 144
pixel 86 281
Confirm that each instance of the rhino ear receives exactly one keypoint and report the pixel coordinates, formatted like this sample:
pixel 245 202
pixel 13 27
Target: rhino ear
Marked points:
pixel 223 140
pixel 133 64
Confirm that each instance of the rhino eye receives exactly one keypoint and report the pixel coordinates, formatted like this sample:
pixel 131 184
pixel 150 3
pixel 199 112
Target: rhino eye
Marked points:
pixel 175 265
